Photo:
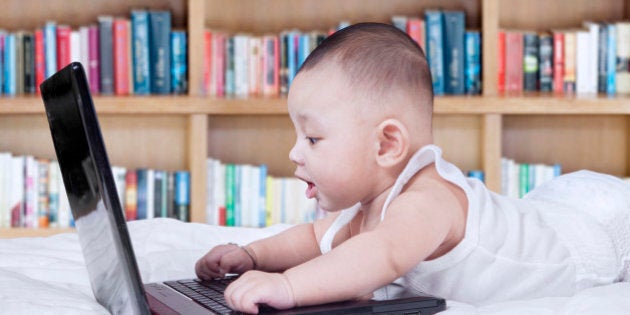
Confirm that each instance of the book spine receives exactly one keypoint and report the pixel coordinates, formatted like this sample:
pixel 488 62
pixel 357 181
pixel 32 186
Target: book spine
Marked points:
pixel 501 62
pixel 84 48
pixel 569 62
pixel 140 54
pixel 94 68
pixel 207 62
pixel 530 62
pixel 10 86
pixel 254 66
pixel 31 169
pixel 230 192
pixel 150 192
pixel 602 62
pixel 158 186
pixel 558 62
pixel 120 29
pixel 240 65
pixel 182 195
pixel 63 46
pixel 3 35
pixel 454 29
pixel 106 62
pixel 546 62
pixel 593 57
pixel 270 66
pixel 29 63
pixel 582 67
pixel 514 61
pixel 54 180
pixel 131 195
pixel 42 193
pixel 611 60
pixel 219 64
pixel 472 62
pixel 19 63
pixel 160 51
pixel 170 195
pixel 141 205
pixel 523 179
pixel 179 70
pixel 415 28
pixel 50 44
pixel 435 49
pixel 16 204
pixel 623 58
pixel 75 46
pixel 292 58
pixel 262 195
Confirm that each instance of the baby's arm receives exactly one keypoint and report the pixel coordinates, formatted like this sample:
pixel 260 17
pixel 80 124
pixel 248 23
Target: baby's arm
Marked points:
pixel 356 267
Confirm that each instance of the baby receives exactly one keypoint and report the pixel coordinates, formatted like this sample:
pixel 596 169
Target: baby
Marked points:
pixel 402 220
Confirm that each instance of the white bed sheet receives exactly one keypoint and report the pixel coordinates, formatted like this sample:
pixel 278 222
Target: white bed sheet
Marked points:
pixel 47 275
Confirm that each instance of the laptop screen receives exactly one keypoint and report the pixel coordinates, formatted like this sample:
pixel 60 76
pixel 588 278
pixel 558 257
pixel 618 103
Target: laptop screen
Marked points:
pixel 92 196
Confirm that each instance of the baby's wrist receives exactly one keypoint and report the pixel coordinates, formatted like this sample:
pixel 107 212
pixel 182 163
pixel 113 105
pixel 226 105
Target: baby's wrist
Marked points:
pixel 289 288
pixel 252 256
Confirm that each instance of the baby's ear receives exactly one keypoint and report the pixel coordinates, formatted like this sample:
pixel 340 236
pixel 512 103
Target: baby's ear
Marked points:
pixel 393 142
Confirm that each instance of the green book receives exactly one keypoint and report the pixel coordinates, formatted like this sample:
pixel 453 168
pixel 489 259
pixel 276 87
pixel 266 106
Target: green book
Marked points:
pixel 230 192
pixel 523 177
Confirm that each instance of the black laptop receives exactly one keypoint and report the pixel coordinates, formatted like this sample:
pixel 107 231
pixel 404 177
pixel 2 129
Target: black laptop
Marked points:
pixel 103 234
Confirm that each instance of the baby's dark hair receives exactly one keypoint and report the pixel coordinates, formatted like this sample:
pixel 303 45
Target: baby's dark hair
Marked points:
pixel 377 56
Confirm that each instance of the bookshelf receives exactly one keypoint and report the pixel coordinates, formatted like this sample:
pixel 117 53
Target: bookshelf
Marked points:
pixel 179 132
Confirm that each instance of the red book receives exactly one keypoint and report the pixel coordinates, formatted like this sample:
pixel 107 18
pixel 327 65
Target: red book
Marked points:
pixel 207 61
pixel 501 63
pixel 40 59
pixel 218 65
pixel 93 69
pixel 415 30
pixel 558 62
pixel 131 195
pixel 222 216
pixel 121 56
pixel 513 61
pixel 63 46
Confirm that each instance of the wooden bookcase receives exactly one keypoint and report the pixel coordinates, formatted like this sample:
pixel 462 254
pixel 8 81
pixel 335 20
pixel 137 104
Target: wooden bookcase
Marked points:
pixel 179 132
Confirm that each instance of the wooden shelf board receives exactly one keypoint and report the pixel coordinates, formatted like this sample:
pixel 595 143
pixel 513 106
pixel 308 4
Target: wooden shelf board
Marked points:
pixel 32 232
pixel 465 105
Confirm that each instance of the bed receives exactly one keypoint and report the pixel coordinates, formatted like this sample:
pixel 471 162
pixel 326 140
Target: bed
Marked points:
pixel 47 275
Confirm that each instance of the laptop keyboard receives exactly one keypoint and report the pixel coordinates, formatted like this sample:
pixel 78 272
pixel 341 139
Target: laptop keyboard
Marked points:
pixel 207 293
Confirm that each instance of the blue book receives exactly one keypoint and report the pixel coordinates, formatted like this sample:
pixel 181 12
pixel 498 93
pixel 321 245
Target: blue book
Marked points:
pixel 304 49
pixel 10 83
pixel 472 66
pixel 50 48
pixel 160 51
pixel 478 174
pixel 140 55
pixel 453 43
pixel 611 60
pixel 230 83
pixel 262 197
pixel 182 195
pixel 292 58
pixel 141 207
pixel 179 68
pixel 435 49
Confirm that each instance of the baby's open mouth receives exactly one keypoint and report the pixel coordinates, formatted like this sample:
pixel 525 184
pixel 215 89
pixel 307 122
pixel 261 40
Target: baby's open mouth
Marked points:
pixel 311 190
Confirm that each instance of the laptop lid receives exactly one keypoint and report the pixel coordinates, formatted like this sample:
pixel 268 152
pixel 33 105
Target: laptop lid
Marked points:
pixel 92 196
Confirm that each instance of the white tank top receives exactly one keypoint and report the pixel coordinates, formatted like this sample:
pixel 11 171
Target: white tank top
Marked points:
pixel 509 251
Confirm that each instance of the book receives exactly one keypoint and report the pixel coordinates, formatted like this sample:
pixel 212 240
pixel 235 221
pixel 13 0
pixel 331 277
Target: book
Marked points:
pixel 179 62
pixel 3 34
pixel 42 193
pixel 592 50
pixel 611 59
pixel 16 202
pixel 400 22
pixel 271 64
pixel 622 76
pixel 558 61
pixel 207 61
pixel 602 55
pixel 106 58
pixel 120 34
pixel 435 49
pixel 50 46
pixel 182 195
pixel 140 52
pixel 454 54
pixel 5 188
pixel 569 62
pixel 239 58
pixel 94 59
pixel 63 46
pixel 501 62
pixel 28 63
pixel 55 187
pixel 514 61
pixel 415 28
pixel 545 62
pixel 160 51
pixel 19 62
pixel 530 61
pixel 142 210
pixel 255 60
pixel 472 65
pixel 131 195
pixel 583 69
pixel 10 65
pixel 229 76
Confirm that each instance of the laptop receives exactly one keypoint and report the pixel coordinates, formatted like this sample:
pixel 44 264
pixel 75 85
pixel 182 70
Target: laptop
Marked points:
pixel 102 230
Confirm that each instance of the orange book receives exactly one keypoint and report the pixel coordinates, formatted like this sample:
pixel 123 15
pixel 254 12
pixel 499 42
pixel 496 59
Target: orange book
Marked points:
pixel 558 62
pixel 131 195
pixel 121 56
pixel 415 30
pixel 501 63
pixel 207 61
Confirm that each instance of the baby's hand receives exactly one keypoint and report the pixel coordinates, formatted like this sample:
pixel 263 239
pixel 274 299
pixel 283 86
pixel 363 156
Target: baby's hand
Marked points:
pixel 256 287
pixel 223 259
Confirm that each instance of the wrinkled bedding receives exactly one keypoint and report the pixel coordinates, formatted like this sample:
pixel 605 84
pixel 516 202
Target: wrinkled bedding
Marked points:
pixel 47 275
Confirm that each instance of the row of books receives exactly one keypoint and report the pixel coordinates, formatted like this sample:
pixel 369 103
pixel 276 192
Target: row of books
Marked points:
pixel 121 56
pixel 520 178
pixel 588 60
pixel 244 65
pixel 246 195
pixel 32 193
pixel 453 52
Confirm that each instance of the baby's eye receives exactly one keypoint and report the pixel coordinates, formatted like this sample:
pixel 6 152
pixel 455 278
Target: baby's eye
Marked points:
pixel 312 140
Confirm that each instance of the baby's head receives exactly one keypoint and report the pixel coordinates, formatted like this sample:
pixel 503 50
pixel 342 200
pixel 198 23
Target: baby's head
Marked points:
pixel 363 98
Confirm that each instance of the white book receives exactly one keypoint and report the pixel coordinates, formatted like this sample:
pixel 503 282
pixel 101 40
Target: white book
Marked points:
pixel 16 203
pixel 254 201
pixel 245 194
pixel 84 46
pixel 211 217
pixel 120 174
pixel 55 185
pixel 150 193
pixel 593 56
pixel 277 212
pixel 5 189
pixel 582 68
pixel 241 76
pixel 75 46
pixel 219 188
pixel 65 214
pixel 30 192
